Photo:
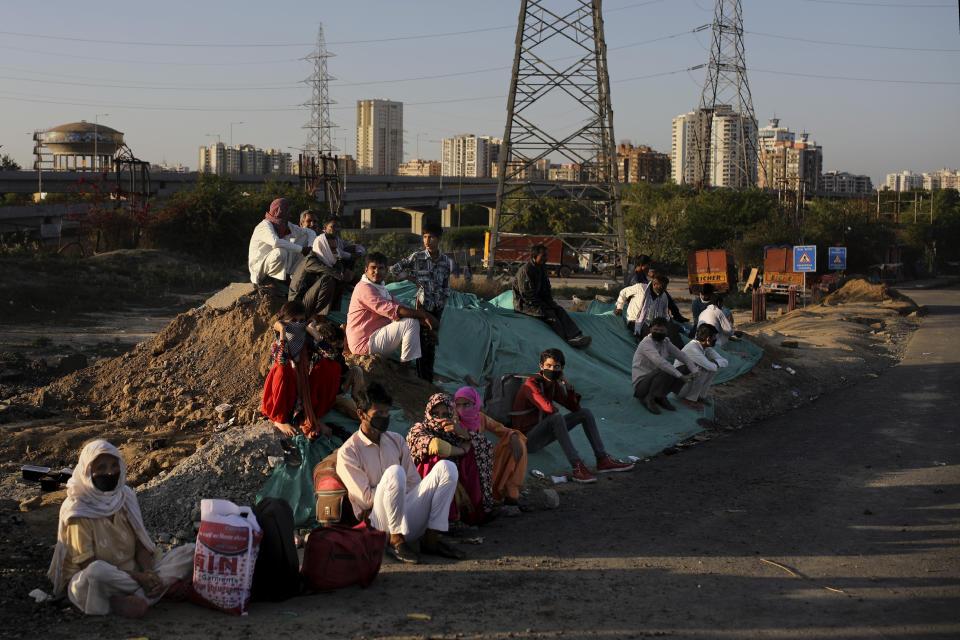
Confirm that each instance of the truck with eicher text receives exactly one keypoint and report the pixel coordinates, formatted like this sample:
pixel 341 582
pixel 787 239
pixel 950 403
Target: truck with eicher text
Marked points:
pixel 778 274
pixel 711 265
pixel 513 249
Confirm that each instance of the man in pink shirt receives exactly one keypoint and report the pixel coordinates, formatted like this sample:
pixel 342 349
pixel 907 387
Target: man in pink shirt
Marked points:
pixel 377 322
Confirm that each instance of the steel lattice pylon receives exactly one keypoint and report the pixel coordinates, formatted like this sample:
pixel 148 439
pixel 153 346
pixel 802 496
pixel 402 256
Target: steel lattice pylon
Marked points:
pixel 726 91
pixel 319 138
pixel 560 67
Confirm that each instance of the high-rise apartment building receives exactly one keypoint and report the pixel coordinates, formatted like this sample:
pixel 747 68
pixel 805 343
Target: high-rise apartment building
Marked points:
pixel 418 167
pixel 724 130
pixel 942 179
pixel 904 181
pixel 379 137
pixel 469 156
pixel 641 164
pixel 788 163
pixel 844 182
pixel 244 159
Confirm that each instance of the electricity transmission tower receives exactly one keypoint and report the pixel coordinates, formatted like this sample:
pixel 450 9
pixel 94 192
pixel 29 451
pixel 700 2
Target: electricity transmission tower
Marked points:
pixel 558 108
pixel 319 136
pixel 319 170
pixel 726 127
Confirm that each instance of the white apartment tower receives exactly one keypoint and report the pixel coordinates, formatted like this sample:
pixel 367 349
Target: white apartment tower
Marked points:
pixel 724 168
pixel 469 156
pixel 379 137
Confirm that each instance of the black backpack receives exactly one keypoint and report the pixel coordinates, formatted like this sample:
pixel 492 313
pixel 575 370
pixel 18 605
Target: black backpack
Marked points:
pixel 276 576
pixel 499 397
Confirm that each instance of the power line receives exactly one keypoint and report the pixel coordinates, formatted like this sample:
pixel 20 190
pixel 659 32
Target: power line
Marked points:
pixel 856 79
pixel 884 4
pixel 142 87
pixel 116 60
pixel 851 44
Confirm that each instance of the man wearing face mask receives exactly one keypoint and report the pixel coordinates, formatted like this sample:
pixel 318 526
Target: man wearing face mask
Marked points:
pixel 385 488
pixel 535 414
pixel 653 374
pixel 707 361
pixel 104 559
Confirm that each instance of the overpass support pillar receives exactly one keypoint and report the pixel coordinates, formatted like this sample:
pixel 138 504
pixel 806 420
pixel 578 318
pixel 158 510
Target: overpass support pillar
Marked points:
pixel 490 217
pixel 446 216
pixel 416 219
pixel 366 218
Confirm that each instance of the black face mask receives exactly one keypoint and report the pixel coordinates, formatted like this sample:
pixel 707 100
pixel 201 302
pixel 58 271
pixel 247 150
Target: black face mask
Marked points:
pixel 331 237
pixel 380 423
pixel 659 337
pixel 550 374
pixel 106 481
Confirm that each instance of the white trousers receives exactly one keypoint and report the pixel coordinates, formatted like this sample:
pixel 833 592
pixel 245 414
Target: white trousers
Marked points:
pixel 279 264
pixel 698 387
pixel 91 588
pixel 426 506
pixel 404 334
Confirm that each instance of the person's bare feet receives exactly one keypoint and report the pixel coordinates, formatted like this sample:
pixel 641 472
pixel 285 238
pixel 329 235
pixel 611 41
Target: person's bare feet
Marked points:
pixel 285 428
pixel 131 606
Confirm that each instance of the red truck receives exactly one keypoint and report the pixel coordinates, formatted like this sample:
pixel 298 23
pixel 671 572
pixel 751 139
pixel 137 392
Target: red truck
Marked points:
pixel 711 265
pixel 778 274
pixel 514 249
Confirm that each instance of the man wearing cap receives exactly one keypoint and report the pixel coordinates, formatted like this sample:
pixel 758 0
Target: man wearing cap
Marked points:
pixel 277 246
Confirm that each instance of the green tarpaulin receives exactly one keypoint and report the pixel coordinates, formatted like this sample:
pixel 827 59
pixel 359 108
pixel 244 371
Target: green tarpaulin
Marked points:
pixel 483 339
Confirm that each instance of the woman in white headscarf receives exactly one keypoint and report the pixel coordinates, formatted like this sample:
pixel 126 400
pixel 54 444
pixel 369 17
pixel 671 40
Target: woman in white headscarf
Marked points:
pixel 104 558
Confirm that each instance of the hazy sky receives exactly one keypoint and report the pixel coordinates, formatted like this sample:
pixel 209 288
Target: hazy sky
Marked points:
pixel 166 77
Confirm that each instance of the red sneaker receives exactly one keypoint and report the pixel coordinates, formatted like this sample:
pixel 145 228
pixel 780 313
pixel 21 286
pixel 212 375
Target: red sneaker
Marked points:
pixel 606 464
pixel 580 473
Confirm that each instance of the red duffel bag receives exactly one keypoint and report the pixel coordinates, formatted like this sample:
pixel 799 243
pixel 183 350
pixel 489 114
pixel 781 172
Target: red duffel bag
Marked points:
pixel 337 556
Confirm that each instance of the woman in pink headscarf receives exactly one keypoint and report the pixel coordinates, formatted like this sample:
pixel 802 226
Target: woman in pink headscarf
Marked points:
pixel 509 455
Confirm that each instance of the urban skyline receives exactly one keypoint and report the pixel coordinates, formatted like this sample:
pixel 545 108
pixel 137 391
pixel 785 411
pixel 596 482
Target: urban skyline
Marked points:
pixel 876 82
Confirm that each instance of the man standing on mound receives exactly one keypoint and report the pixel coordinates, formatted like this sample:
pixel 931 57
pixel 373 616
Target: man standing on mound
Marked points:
pixel 536 415
pixel 533 297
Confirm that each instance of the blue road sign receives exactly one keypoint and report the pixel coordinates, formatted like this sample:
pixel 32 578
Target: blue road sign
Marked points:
pixel 805 257
pixel 837 257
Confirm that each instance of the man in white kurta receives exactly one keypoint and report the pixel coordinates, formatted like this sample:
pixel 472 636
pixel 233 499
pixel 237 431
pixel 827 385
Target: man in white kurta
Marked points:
pixel 277 246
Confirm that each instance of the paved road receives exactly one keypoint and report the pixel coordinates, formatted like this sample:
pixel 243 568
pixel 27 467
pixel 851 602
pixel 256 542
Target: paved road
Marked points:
pixel 856 497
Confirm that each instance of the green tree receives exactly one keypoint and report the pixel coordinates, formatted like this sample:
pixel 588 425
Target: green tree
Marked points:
pixel 393 245
pixel 9 164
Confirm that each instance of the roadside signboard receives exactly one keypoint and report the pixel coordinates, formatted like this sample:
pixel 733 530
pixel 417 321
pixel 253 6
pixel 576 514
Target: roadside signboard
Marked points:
pixel 837 258
pixel 805 257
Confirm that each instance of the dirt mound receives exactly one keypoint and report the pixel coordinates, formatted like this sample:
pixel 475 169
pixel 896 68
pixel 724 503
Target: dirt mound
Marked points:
pixel 157 401
pixel 859 290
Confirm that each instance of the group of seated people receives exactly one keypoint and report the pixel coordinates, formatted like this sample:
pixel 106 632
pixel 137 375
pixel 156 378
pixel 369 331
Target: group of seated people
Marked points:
pixel 446 471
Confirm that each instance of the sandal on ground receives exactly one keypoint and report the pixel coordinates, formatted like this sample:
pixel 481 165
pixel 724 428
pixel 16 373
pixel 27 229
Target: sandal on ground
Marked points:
pixel 443 550
pixel 403 553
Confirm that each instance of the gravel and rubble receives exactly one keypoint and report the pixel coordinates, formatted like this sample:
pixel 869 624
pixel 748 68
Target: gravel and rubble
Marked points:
pixel 232 465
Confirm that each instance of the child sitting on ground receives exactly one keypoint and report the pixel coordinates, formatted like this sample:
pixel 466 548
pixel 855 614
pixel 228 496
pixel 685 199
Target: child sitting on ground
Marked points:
pixel 104 559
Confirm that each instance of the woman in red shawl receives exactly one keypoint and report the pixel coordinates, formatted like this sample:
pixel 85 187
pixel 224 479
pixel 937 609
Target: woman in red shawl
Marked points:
pixel 440 437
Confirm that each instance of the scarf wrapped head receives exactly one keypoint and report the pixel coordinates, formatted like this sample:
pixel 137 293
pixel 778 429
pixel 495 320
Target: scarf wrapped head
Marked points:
pixel 433 423
pixel 84 500
pixel 469 417
pixel 321 246
pixel 277 215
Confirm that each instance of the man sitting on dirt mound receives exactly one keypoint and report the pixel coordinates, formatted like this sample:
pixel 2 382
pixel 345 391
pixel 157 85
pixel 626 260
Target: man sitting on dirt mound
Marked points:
pixel 384 485
pixel 537 417
pixel 533 297
pixel 653 375
pixel 277 246
pixel 377 322
pixel 694 392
